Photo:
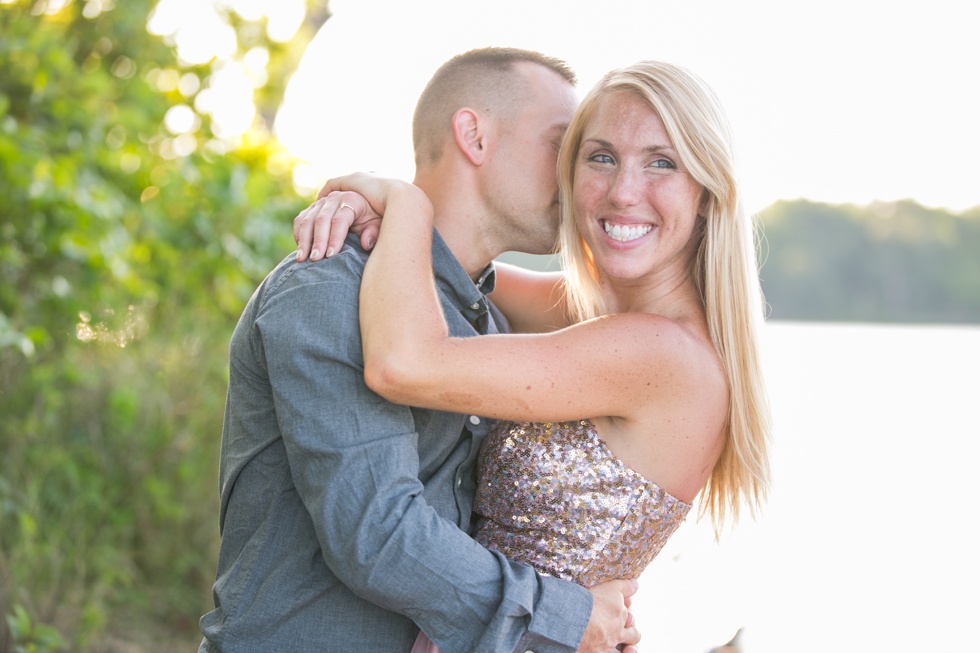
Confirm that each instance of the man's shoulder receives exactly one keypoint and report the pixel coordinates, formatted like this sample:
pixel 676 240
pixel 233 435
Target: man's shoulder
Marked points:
pixel 299 293
pixel 343 269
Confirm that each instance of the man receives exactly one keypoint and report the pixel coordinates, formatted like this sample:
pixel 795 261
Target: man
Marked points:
pixel 343 516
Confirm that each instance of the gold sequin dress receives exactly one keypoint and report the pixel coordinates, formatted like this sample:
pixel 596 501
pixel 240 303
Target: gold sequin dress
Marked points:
pixel 554 496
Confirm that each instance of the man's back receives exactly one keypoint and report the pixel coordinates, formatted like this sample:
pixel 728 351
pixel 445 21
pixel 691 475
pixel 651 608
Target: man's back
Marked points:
pixel 298 530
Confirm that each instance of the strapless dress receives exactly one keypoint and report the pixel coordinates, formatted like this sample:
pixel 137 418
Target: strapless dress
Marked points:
pixel 554 496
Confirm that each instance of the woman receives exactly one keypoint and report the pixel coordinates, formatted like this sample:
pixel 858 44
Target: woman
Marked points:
pixel 642 387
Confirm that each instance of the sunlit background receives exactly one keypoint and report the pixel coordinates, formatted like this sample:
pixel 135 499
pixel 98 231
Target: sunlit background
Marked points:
pixel 842 101
pixel 838 101
pixel 867 542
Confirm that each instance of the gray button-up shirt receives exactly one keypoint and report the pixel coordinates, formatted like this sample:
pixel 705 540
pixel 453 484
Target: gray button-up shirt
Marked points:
pixel 344 517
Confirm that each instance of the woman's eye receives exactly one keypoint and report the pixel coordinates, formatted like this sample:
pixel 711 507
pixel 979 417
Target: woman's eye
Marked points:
pixel 666 164
pixel 601 158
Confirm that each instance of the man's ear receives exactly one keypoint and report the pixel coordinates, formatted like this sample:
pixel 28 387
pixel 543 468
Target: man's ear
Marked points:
pixel 468 130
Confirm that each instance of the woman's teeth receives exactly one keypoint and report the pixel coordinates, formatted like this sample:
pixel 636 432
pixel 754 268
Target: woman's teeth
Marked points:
pixel 626 234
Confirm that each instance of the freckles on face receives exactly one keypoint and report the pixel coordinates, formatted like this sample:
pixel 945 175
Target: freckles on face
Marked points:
pixel 631 193
pixel 588 193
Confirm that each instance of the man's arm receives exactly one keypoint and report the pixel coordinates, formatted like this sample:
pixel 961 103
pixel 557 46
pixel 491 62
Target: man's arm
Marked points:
pixel 354 459
pixel 532 301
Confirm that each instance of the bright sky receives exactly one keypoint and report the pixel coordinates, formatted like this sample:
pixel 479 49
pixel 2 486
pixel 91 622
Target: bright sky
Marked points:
pixel 837 101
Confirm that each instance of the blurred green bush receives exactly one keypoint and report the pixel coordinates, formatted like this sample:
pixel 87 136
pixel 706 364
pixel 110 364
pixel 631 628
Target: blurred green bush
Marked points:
pixel 125 260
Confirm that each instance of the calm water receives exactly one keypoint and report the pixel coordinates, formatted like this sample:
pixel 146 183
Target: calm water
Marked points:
pixel 869 540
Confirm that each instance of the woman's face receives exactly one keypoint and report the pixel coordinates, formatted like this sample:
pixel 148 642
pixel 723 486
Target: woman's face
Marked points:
pixel 633 203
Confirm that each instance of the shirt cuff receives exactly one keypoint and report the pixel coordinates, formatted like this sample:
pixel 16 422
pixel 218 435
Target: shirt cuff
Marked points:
pixel 560 618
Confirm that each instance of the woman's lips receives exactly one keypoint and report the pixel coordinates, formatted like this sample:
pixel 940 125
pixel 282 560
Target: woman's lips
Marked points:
pixel 626 232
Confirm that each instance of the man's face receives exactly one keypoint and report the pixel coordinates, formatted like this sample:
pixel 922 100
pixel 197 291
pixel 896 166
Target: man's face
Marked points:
pixel 522 180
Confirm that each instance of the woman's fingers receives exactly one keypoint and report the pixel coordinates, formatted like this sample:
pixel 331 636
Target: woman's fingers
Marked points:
pixel 303 230
pixel 321 228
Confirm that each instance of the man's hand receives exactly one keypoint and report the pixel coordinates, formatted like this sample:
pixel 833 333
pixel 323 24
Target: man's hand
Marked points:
pixel 611 626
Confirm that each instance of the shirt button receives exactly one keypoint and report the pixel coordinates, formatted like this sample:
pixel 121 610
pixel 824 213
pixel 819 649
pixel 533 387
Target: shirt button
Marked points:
pixel 475 306
pixel 459 482
pixel 474 420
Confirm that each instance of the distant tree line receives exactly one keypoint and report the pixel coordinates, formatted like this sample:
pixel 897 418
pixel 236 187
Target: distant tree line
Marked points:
pixel 894 262
pixel 886 262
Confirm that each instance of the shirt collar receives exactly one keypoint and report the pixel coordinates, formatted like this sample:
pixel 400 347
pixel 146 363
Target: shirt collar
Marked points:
pixel 452 280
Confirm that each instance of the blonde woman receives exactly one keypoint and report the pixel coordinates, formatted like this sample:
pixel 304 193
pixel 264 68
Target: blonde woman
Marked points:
pixel 632 383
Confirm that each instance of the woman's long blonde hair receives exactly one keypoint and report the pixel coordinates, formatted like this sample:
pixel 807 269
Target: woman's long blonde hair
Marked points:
pixel 725 268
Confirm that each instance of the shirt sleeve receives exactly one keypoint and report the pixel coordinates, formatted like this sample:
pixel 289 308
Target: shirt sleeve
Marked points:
pixel 354 461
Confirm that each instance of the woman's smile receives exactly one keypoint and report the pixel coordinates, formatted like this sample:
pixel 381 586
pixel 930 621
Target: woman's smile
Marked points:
pixel 625 233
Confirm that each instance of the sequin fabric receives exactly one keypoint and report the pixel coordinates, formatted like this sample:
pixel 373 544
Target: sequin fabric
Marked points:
pixel 554 496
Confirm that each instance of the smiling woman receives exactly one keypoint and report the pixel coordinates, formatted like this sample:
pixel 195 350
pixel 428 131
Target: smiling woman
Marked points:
pixel 655 379
pixel 635 206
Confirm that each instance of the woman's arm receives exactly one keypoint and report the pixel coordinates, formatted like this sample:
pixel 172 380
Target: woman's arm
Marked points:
pixel 616 366
pixel 610 366
pixel 531 301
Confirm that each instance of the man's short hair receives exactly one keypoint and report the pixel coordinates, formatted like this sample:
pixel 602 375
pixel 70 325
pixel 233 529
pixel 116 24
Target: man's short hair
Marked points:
pixel 482 79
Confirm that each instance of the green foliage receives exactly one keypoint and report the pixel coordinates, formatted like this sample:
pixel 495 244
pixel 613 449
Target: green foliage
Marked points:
pixel 888 262
pixel 125 260
pixel 29 637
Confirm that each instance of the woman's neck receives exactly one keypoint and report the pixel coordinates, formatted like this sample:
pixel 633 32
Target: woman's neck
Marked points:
pixel 674 297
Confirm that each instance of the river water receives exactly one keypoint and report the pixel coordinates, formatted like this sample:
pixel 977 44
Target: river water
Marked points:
pixel 870 539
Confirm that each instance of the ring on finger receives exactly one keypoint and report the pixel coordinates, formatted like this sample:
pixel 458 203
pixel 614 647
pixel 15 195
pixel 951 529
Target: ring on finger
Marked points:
pixel 345 205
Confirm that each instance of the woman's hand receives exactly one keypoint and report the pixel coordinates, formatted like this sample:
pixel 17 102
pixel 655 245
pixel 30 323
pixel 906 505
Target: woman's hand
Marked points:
pixel 320 229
